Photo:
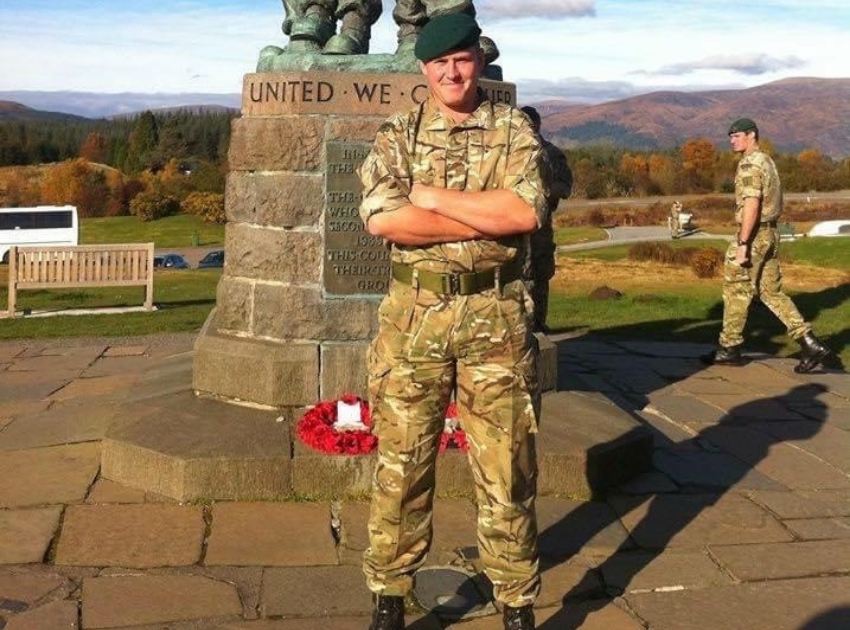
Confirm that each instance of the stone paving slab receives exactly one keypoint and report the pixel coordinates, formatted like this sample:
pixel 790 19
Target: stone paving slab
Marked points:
pixel 61 424
pixel 780 605
pixel 648 483
pixel 54 616
pixel 114 602
pixel 133 536
pixel 758 377
pixel 749 407
pixel 703 385
pixel 271 534
pixel 666 433
pixel 666 349
pixel 26 534
pixel 825 442
pixel 43 476
pixel 72 362
pixel 315 592
pixel 27 586
pixel 694 520
pixel 32 386
pixel 711 471
pixel 805 503
pixel 567 527
pixel 838 417
pixel 773 561
pixel 103 387
pixel 9 351
pixel 125 351
pixel 85 352
pixel 570 580
pixel 638 571
pixel 428 622
pixel 685 409
pixel 117 366
pixel 820 528
pixel 11 409
pixel 785 463
pixel 106 491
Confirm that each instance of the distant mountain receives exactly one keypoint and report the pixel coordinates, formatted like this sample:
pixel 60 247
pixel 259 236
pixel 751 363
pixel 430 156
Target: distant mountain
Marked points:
pixel 93 105
pixel 15 112
pixel 793 113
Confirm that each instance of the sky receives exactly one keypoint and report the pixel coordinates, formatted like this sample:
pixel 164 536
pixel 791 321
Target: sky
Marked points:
pixel 583 51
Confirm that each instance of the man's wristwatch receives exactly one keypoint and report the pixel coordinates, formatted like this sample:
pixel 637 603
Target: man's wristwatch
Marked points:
pixel 742 243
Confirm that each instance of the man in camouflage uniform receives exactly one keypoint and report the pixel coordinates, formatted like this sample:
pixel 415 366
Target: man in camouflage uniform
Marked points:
pixel 752 262
pixel 454 186
pixel 540 267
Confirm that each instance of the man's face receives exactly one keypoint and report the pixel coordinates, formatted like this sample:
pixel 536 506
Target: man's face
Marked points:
pixel 741 141
pixel 453 78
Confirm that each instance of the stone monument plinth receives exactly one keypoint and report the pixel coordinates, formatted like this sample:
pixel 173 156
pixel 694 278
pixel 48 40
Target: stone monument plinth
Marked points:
pixel 297 304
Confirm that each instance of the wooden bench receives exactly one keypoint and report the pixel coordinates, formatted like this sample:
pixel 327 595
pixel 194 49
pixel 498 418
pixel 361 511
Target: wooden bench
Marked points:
pixel 81 266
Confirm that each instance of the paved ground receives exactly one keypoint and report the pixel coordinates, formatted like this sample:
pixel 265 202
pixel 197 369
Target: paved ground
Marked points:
pixel 743 525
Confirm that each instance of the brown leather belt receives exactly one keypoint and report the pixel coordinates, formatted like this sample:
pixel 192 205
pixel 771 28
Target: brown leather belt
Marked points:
pixel 772 224
pixel 459 283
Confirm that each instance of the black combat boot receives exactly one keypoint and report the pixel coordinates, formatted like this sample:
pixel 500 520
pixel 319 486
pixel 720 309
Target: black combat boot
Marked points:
pixel 521 618
pixel 388 613
pixel 723 356
pixel 814 352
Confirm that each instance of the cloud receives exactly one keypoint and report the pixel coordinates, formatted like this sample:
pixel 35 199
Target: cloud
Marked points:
pixel 583 92
pixel 750 64
pixel 553 9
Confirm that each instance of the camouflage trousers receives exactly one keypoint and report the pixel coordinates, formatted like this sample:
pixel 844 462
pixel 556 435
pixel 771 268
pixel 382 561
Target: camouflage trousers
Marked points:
pixel 762 278
pixel 482 347
pixel 411 15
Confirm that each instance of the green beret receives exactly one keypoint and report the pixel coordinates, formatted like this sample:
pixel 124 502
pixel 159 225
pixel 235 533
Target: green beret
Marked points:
pixel 742 124
pixel 446 33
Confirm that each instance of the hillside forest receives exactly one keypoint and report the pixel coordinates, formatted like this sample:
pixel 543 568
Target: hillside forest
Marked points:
pixel 162 163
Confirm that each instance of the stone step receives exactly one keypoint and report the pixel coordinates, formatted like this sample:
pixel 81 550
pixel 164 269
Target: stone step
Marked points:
pixel 190 448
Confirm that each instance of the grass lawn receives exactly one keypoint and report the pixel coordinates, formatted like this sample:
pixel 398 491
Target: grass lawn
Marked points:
pixel 832 253
pixel 184 299
pixel 173 231
pixel 574 235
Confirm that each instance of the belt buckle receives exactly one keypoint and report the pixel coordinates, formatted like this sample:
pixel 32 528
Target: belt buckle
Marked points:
pixel 451 283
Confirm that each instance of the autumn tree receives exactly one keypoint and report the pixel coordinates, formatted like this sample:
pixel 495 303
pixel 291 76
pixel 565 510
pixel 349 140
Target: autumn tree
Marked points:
pixel 95 148
pixel 77 183
pixel 698 158
pixel 207 206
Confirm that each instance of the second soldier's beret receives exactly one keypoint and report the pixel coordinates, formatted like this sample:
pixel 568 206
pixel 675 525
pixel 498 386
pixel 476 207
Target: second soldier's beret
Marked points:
pixel 446 33
pixel 742 124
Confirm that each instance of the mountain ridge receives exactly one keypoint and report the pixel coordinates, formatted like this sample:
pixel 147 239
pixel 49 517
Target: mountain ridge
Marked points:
pixel 793 113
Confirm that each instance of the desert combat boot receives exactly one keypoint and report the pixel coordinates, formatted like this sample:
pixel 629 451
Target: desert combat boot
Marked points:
pixel 388 613
pixel 521 618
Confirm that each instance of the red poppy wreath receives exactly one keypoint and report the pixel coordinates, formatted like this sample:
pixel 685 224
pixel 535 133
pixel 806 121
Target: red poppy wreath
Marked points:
pixel 319 430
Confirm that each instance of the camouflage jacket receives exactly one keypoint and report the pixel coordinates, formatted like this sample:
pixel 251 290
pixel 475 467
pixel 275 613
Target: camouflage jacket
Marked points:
pixel 757 177
pixel 495 148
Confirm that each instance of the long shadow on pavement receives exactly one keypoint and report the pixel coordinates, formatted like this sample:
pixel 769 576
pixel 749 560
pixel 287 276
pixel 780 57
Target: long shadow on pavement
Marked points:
pixel 744 432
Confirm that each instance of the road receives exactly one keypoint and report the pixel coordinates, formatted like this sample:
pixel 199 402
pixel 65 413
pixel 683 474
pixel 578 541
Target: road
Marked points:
pixel 626 235
pixel 575 204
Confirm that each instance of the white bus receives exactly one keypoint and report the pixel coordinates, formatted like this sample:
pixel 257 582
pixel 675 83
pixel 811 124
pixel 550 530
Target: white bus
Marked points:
pixel 42 225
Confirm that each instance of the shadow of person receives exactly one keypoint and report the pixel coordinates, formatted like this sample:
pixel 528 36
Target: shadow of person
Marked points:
pixel 744 437
pixel 835 619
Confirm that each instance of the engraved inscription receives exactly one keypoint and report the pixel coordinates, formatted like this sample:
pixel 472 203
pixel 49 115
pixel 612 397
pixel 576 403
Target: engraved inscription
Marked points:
pixel 356 263
pixel 267 94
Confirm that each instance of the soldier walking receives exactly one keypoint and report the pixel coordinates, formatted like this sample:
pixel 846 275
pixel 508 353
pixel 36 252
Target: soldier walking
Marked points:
pixel 454 186
pixel 752 261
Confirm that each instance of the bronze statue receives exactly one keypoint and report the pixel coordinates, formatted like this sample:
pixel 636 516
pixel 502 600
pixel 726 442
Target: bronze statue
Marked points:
pixel 311 24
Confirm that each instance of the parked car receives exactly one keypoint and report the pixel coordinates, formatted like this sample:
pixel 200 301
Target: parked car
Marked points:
pixel 169 261
pixel 213 259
